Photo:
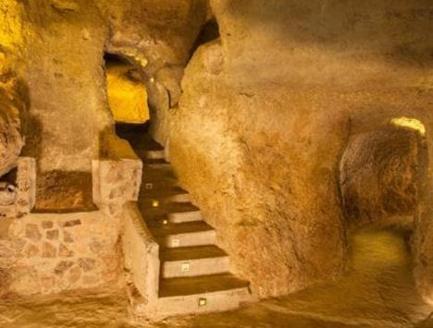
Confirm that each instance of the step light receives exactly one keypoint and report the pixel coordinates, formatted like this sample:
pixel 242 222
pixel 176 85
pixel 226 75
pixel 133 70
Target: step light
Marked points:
pixel 202 302
pixel 175 243
pixel 148 186
pixel 185 267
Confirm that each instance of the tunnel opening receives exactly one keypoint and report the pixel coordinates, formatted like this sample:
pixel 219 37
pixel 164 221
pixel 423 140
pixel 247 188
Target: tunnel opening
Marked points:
pixel 128 99
pixel 382 172
pixel 126 91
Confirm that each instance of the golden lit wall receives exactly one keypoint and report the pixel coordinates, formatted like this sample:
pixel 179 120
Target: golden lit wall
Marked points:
pixel 11 26
pixel 127 97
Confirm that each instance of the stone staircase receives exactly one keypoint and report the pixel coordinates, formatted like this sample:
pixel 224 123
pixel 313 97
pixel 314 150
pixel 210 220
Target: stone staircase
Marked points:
pixel 194 272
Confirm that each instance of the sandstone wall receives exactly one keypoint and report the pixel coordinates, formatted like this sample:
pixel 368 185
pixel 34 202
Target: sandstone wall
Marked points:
pixel 63 69
pixel 267 112
pixel 263 121
pixel 50 253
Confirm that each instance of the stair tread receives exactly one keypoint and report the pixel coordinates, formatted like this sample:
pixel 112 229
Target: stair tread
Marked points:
pixel 171 207
pixel 181 207
pixel 172 190
pixel 159 229
pixel 198 285
pixel 153 161
pixel 191 253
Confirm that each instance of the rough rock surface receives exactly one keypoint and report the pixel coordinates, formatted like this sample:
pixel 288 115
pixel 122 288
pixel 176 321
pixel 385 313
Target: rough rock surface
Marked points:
pixel 156 36
pixel 267 187
pixel 378 291
pixel 13 91
pixel 260 130
pixel 381 173
pixel 264 118
pixel 11 136
pixel 63 69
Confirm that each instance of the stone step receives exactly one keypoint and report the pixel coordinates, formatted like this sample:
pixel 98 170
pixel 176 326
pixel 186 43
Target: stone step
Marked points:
pixel 201 294
pixel 183 212
pixel 171 193
pixel 157 163
pixel 217 301
pixel 173 212
pixel 160 180
pixel 200 285
pixel 193 261
pixel 155 207
pixel 150 186
pixel 155 154
pixel 180 198
pixel 159 206
pixel 188 234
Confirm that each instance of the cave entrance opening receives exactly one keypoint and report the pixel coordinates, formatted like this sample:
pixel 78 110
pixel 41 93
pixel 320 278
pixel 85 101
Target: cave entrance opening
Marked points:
pixel 382 177
pixel 126 91
pixel 128 99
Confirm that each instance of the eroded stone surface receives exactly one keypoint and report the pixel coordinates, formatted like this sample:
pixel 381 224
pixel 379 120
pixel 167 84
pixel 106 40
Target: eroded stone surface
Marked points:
pixel 13 109
pixel 378 291
pixel 260 130
pixel 381 176
pixel 43 261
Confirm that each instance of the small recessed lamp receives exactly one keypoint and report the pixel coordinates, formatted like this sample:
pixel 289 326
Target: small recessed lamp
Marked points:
pixel 202 302
pixel 175 243
pixel 185 267
pixel 155 203
pixel 148 186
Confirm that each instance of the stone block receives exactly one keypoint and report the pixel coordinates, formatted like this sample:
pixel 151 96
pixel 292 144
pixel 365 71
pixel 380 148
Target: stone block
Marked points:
pixel 87 264
pixel 74 275
pixel 31 250
pixel 67 237
pixel 62 267
pixel 48 250
pixel 96 247
pixel 53 234
pixel 47 224
pixel 32 232
pixel 65 252
pixel 71 223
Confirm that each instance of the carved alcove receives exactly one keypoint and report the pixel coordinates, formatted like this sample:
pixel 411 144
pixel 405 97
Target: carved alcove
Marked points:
pixel 17 189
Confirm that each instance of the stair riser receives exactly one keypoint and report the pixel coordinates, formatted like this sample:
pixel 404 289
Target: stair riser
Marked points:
pixel 196 267
pixel 149 196
pixel 161 203
pixel 180 198
pixel 201 238
pixel 155 154
pixel 151 187
pixel 215 302
pixel 182 217
pixel 159 166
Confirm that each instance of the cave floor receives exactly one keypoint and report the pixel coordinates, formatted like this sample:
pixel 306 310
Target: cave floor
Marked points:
pixel 377 291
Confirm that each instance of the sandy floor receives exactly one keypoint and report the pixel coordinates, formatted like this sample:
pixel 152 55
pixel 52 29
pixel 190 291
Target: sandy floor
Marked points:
pixel 377 292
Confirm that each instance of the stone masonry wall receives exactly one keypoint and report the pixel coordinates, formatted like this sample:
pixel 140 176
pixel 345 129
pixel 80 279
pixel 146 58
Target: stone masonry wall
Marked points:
pixel 50 253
